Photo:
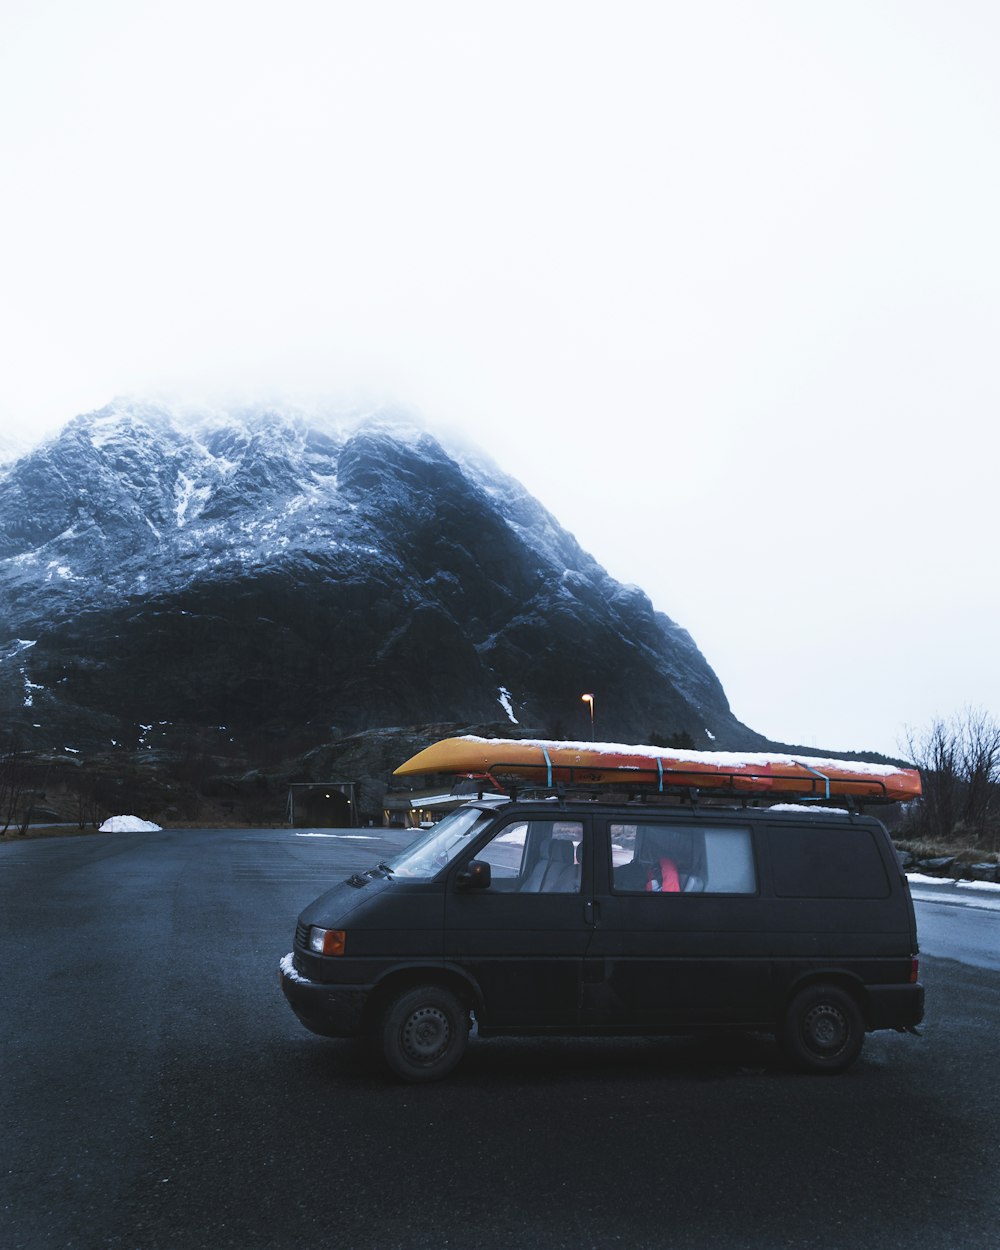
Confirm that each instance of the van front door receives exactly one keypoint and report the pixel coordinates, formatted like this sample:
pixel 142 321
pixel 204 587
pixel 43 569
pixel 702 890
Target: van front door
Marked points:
pixel 523 939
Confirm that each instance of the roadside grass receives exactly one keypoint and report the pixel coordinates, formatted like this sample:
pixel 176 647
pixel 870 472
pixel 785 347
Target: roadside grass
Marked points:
pixel 923 848
pixel 44 831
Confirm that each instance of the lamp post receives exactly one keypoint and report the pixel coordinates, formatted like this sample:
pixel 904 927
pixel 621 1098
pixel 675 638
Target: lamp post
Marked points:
pixel 589 699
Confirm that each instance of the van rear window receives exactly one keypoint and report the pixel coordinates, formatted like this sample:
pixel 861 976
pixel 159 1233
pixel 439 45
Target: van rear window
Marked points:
pixel 826 863
pixel 681 859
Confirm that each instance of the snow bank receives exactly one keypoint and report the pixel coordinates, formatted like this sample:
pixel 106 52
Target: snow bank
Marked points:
pixel 128 824
pixel 921 878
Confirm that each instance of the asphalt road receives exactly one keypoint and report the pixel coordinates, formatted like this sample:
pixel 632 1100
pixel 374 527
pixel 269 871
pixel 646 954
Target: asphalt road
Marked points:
pixel 157 1092
pixel 951 923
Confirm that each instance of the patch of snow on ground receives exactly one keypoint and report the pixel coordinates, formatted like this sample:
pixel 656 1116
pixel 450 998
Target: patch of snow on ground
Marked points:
pixel 920 878
pixel 102 430
pixel 362 837
pixel 504 701
pixel 185 492
pixel 129 824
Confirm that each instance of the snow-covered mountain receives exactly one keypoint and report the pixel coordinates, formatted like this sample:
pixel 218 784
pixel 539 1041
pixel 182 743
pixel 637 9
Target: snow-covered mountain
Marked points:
pixel 294 578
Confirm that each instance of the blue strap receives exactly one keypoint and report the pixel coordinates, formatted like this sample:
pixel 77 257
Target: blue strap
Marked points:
pixel 659 767
pixel 548 762
pixel 815 798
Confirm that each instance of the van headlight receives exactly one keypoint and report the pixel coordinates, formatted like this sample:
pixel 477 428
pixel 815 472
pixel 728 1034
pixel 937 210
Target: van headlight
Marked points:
pixel 327 941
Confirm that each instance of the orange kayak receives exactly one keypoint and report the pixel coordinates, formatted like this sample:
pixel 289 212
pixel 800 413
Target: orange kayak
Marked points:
pixel 611 763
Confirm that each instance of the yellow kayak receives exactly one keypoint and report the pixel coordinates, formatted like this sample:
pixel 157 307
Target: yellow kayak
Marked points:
pixel 612 763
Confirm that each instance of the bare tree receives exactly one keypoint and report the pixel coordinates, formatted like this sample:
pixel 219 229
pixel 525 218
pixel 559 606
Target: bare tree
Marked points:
pixel 85 787
pixel 13 778
pixel 959 760
pixel 934 753
pixel 980 770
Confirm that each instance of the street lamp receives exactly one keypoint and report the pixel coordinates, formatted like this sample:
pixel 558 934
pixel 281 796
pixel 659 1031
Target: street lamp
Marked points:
pixel 589 698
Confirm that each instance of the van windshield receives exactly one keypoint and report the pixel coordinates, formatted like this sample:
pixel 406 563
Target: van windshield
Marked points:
pixel 436 848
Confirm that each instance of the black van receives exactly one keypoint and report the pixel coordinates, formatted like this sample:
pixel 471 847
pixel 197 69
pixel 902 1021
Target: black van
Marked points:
pixel 584 917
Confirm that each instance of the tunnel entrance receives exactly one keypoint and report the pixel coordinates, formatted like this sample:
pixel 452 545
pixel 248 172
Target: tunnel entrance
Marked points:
pixel 321 805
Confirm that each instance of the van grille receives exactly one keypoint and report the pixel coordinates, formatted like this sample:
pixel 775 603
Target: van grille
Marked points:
pixel 302 936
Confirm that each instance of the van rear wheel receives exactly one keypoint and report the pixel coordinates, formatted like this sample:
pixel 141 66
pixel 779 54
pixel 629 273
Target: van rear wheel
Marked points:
pixel 823 1029
pixel 424 1033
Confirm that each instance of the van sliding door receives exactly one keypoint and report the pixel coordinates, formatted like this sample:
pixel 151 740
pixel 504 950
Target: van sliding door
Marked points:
pixel 679 939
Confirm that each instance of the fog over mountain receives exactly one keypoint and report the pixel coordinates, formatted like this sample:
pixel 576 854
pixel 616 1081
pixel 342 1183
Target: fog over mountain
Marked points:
pixel 282 579
pixel 11 447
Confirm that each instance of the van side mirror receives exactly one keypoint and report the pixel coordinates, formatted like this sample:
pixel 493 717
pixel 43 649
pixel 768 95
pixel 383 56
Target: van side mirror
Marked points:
pixel 476 875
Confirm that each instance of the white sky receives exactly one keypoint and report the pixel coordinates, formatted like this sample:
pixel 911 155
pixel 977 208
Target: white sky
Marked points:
pixel 717 281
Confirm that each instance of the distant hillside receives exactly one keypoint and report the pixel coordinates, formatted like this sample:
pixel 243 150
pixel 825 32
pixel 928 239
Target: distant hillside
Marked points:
pixel 277 583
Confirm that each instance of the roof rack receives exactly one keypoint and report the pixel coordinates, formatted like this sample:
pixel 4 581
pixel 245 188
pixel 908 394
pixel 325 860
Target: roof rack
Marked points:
pixel 674 796
pixel 659 779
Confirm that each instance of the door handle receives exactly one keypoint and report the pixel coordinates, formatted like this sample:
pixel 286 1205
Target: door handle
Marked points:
pixel 591 912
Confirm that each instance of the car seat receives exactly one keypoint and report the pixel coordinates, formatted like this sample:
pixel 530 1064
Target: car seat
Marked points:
pixel 555 871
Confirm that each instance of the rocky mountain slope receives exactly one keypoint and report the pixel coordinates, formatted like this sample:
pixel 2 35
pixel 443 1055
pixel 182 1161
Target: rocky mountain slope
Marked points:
pixel 275 582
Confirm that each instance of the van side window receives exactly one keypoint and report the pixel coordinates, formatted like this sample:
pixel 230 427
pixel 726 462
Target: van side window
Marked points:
pixel 826 863
pixel 536 857
pixel 682 859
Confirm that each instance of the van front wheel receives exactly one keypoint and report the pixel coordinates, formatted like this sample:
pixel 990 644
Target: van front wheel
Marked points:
pixel 424 1032
pixel 823 1029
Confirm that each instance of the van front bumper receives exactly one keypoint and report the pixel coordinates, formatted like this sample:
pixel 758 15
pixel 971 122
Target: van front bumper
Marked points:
pixel 329 1010
pixel 894 1006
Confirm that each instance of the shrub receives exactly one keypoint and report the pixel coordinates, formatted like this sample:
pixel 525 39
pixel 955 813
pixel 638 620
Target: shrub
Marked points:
pixel 959 761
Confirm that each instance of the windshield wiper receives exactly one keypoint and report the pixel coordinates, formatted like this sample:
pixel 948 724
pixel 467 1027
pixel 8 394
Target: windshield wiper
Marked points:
pixel 381 869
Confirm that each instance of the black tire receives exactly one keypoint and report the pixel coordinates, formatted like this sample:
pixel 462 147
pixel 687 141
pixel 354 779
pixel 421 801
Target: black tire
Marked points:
pixel 424 1032
pixel 823 1029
